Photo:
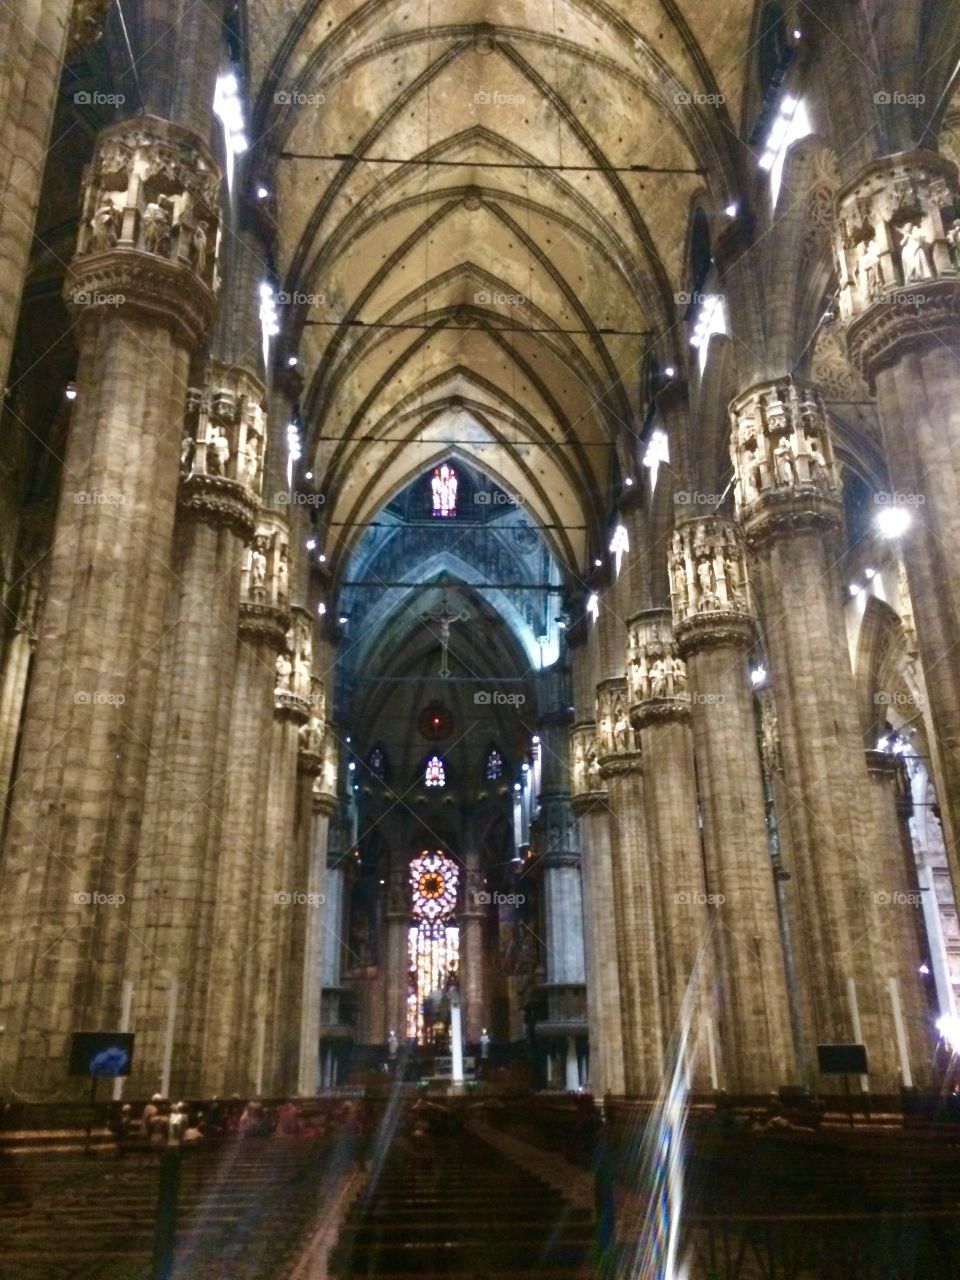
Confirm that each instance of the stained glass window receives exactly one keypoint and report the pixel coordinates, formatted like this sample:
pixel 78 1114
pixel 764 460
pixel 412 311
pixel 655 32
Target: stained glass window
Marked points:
pixel 494 765
pixel 434 773
pixel 434 940
pixel 443 487
pixel 377 762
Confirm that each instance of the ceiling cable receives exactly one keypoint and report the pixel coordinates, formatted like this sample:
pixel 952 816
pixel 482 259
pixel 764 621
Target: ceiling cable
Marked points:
pixel 349 156
pixel 603 331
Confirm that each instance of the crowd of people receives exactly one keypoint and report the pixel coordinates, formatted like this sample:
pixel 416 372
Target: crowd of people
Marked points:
pixel 161 1122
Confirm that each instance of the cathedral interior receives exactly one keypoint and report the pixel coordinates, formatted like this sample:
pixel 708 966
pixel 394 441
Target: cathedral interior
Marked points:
pixel 480 639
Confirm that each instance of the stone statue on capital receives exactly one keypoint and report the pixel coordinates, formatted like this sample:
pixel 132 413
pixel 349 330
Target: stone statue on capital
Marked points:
pixel 284 668
pixel 785 463
pixel 913 254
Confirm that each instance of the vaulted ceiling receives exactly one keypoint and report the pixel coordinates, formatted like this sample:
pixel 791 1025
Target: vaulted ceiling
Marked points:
pixel 483 211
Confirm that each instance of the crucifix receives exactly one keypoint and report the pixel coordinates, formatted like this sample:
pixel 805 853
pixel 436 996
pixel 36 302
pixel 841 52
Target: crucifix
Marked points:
pixel 443 615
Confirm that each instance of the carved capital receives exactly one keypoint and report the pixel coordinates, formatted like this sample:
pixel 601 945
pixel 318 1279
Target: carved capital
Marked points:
pixel 716 631
pixel 219 501
pixel 898 257
pixel 786 475
pixel 656 674
pixel 620 765
pixel 150 228
pixel 128 283
pixel 590 802
pixel 291 705
pixel 915 319
pixel 308 762
pixel 708 579
pixel 614 730
pixel 265 574
pixel 263 624
pixel 585 779
pixel 225 427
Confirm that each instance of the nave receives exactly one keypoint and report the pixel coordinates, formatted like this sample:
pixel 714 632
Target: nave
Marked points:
pixel 493 1188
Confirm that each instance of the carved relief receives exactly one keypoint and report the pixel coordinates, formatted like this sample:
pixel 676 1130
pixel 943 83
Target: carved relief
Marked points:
pixel 770 733
pixel 897 226
pixel 614 730
pixel 707 571
pixel 831 368
pixel 585 776
pixel 780 439
pixel 224 428
pixel 152 187
pixel 655 673
pixel 262 582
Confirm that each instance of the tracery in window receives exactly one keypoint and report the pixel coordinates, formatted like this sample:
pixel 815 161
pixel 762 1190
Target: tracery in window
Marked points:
pixel 434 774
pixel 434 940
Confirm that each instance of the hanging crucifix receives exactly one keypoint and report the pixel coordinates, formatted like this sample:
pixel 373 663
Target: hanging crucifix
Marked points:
pixel 443 615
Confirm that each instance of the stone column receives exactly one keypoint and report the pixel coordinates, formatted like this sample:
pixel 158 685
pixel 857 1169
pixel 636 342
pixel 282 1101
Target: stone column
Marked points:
pixel 898 953
pixel 898 248
pixel 789 509
pixel 281 897
pixel 635 892
pixel 397 923
pixel 176 875
pixel 322 804
pixel 143 298
pixel 660 713
pixel 16 673
pixel 34 39
pixel 714 630
pixel 472 917
pixel 589 803
pixel 558 866
pixel 333 1030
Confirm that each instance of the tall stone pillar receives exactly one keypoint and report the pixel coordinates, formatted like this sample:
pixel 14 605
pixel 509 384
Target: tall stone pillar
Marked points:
pixel 16 672
pixel 230 1055
pixel 660 714
pixel 558 866
pixel 335 1032
pixel 397 966
pixel 589 803
pixel 142 290
pixel 281 897
pixel 898 250
pixel 898 953
pixel 317 804
pixel 636 890
pixel 473 918
pixel 789 509
pixel 176 873
pixel 714 630
pixel 34 39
